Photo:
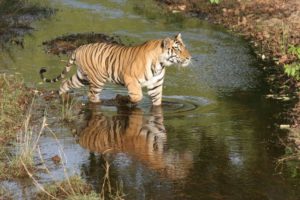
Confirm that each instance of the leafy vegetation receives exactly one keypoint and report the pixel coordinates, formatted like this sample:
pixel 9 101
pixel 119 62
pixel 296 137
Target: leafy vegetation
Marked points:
pixel 215 1
pixel 293 69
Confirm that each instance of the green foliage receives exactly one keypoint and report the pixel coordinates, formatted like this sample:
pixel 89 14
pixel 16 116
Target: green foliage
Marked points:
pixel 294 50
pixel 215 1
pixel 293 69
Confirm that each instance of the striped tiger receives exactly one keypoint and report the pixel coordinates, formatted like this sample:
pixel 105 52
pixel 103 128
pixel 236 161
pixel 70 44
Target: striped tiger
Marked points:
pixel 139 135
pixel 133 67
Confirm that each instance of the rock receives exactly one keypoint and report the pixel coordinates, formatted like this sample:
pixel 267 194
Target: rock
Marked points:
pixel 181 7
pixel 283 59
pixel 244 21
pixel 243 7
pixel 266 34
pixel 56 159
pixel 284 126
pixel 237 12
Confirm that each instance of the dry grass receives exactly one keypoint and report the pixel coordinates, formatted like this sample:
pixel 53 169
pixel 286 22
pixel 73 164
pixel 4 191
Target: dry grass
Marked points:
pixel 75 187
pixel 68 108
pixel 4 194
pixel 25 148
pixel 14 100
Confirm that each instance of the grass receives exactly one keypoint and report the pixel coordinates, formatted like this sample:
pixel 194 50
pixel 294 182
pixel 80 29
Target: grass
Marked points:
pixel 75 187
pixel 68 107
pixel 19 146
pixel 18 141
pixel 14 100
pixel 4 194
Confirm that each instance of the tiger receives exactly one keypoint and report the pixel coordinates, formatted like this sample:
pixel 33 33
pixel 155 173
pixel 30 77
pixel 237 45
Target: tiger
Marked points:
pixel 134 67
pixel 139 135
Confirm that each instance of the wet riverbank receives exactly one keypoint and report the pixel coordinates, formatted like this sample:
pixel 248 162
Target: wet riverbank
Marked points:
pixel 16 17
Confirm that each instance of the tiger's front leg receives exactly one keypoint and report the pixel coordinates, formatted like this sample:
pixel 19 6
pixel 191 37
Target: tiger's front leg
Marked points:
pixel 135 94
pixel 155 92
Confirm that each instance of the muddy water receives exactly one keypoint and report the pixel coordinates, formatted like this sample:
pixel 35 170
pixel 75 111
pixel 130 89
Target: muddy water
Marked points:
pixel 214 137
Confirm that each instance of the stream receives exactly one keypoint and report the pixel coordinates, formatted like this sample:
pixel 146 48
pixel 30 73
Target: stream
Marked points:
pixel 215 137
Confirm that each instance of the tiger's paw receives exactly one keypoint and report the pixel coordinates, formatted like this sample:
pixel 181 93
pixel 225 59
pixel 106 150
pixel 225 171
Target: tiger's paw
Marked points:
pixel 95 101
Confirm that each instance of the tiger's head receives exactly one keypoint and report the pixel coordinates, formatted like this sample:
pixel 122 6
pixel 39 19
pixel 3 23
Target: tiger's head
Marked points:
pixel 175 52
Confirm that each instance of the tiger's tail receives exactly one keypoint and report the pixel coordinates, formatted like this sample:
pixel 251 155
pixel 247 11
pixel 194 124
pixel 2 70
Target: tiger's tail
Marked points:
pixel 63 73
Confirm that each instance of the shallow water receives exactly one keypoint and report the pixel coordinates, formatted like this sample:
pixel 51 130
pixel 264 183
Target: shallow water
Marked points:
pixel 214 137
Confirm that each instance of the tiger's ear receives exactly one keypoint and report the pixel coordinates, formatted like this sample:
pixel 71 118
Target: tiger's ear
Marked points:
pixel 178 37
pixel 166 43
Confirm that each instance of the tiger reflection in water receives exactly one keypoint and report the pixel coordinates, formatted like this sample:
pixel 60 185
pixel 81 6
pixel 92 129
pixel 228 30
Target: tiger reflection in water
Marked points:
pixel 140 135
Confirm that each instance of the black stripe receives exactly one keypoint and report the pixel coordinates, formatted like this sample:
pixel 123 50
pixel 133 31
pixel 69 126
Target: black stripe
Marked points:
pixel 152 70
pixel 155 95
pixel 150 89
pixel 145 76
pixel 160 79
pixel 83 81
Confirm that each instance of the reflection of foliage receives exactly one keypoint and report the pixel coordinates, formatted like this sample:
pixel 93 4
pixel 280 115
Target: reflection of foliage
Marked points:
pixel 153 12
pixel 215 1
pixel 293 69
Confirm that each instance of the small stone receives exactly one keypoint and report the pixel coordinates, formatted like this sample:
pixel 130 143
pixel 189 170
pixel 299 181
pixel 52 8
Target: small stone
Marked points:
pixel 283 59
pixel 56 159
pixel 284 126
pixel 237 12
pixel 182 7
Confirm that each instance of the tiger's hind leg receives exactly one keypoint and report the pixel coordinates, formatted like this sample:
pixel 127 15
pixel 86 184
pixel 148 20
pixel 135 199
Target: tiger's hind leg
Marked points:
pixel 76 81
pixel 94 93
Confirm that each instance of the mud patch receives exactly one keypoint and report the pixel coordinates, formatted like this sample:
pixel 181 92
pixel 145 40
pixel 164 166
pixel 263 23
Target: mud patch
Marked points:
pixel 67 43
pixel 16 17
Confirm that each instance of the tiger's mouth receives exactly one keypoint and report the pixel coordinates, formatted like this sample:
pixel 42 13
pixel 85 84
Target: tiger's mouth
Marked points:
pixel 185 62
pixel 180 61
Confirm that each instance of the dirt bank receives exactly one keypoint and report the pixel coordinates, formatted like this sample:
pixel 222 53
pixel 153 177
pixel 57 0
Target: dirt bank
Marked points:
pixel 271 26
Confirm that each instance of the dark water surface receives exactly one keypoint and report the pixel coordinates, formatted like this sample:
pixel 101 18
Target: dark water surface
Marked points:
pixel 213 138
